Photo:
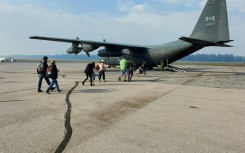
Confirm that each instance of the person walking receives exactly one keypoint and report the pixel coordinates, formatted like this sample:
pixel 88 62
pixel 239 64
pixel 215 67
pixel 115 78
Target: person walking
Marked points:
pixel 144 67
pixel 41 71
pixel 101 70
pixel 130 70
pixel 53 74
pixel 89 71
pixel 123 67
pixel 162 65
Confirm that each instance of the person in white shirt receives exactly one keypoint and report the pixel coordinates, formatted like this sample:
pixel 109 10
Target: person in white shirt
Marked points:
pixel 102 68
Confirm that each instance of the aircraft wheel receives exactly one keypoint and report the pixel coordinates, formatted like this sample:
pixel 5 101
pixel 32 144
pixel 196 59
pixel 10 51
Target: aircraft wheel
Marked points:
pixel 150 67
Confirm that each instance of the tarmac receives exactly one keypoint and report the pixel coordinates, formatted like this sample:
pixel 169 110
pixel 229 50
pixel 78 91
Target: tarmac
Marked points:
pixel 200 111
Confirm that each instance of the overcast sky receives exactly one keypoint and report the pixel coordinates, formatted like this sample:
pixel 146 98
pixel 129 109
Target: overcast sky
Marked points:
pixel 141 22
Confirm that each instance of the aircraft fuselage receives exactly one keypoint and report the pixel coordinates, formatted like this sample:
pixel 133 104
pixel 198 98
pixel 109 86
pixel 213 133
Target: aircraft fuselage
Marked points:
pixel 168 53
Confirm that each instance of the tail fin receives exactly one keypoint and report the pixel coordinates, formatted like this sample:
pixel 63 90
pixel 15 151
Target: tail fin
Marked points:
pixel 213 25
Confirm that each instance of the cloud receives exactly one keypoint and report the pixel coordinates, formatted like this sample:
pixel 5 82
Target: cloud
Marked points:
pixel 236 6
pixel 23 20
pixel 188 3
pixel 138 23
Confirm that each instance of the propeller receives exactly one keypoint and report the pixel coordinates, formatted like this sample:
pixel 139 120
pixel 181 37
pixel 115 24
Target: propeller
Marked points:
pixel 87 54
pixel 77 38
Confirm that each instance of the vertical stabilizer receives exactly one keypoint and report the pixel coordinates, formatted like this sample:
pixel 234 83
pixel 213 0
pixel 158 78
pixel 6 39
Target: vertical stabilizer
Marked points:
pixel 212 25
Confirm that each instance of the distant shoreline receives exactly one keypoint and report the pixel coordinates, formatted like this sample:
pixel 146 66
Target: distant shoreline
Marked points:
pixel 58 60
pixel 175 63
pixel 195 58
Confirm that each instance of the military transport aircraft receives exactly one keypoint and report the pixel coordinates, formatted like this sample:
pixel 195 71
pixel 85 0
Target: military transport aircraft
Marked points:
pixel 212 29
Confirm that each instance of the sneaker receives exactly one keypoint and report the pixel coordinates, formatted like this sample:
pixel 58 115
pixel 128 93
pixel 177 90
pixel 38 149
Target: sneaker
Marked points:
pixel 59 90
pixel 103 80
pixel 47 92
pixel 39 90
pixel 83 83
pixel 119 79
pixel 52 88
pixel 125 80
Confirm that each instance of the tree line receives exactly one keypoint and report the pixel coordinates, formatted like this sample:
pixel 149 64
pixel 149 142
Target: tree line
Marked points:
pixel 191 58
pixel 213 58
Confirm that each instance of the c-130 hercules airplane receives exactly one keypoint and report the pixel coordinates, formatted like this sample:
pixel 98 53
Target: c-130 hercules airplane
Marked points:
pixel 212 29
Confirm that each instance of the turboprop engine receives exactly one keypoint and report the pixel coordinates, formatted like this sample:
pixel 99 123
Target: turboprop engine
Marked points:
pixel 75 49
pixel 88 48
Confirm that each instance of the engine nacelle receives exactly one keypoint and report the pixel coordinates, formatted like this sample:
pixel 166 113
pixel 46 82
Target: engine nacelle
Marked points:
pixel 88 48
pixel 126 51
pixel 73 50
pixel 105 53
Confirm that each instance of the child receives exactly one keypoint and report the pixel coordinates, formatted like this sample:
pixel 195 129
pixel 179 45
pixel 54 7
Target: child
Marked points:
pixel 53 75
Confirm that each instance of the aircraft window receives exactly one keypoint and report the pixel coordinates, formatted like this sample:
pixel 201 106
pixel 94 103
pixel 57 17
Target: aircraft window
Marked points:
pixel 211 3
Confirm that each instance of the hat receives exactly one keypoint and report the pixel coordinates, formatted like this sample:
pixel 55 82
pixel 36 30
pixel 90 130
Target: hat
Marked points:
pixel 45 57
pixel 102 60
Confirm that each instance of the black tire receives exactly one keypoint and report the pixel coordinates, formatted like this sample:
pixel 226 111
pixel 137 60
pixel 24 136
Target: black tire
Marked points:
pixel 150 67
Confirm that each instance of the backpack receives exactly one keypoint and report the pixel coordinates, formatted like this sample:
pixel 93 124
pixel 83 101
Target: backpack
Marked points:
pixel 97 68
pixel 40 67
pixel 87 68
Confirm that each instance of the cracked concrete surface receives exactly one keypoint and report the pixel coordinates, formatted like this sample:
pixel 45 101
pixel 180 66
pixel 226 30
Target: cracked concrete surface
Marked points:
pixel 201 110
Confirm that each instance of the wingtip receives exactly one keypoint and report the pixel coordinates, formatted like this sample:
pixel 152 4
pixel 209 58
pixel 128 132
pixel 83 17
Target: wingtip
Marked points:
pixel 33 37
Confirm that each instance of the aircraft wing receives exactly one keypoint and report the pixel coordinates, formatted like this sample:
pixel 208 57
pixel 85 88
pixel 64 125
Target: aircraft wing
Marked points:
pixel 114 46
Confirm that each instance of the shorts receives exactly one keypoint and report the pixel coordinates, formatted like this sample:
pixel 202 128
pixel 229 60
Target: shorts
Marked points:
pixel 123 72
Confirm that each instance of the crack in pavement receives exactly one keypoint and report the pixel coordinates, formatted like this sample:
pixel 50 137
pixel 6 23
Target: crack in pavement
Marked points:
pixel 104 118
pixel 9 92
pixel 194 77
pixel 68 127
pixel 5 101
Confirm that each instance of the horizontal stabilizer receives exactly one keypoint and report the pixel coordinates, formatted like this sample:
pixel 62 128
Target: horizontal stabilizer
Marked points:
pixel 205 43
